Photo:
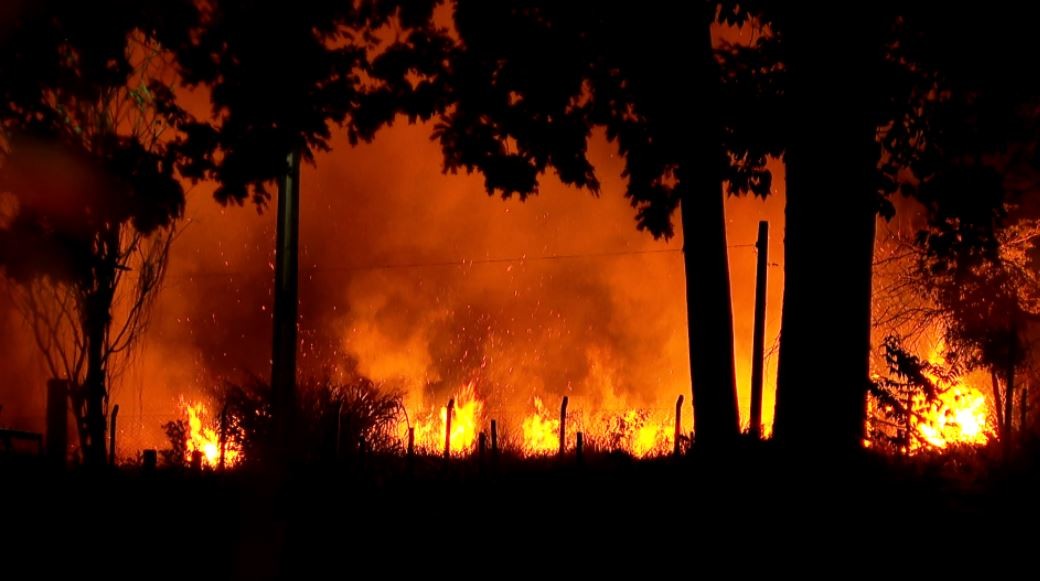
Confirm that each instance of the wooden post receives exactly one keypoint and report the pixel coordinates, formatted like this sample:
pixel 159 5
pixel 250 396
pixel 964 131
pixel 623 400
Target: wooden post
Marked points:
pixel 579 445
pixel 196 461
pixel 447 427
pixel 149 459
pixel 563 426
pixel 411 443
pixel 112 436
pixel 758 347
pixel 677 448
pixel 57 420
pixel 494 437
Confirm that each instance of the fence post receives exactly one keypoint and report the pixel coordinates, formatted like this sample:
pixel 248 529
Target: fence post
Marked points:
pixel 494 437
pixel 563 426
pixel 112 436
pixel 447 428
pixel 677 448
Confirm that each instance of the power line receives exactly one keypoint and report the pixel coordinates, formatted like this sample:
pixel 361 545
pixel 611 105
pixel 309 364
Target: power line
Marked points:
pixel 457 262
pixel 445 263
pixel 503 260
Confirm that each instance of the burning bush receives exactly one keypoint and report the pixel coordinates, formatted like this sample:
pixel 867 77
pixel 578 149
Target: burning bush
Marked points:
pixel 924 404
pixel 335 420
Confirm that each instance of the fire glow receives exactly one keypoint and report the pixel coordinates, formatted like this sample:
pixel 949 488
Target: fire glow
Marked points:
pixel 205 439
pixel 467 412
pixel 958 416
pixel 637 432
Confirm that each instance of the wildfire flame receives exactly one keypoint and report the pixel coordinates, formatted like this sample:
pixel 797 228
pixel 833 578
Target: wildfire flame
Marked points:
pixel 959 415
pixel 635 431
pixel 466 418
pixel 206 440
pixel 541 431
pixel 639 433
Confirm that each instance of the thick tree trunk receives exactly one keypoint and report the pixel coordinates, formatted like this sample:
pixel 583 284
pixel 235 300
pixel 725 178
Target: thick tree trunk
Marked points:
pixel 708 305
pixel 829 240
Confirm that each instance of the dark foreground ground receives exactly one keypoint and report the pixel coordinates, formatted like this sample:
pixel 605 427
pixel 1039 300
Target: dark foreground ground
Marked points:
pixel 753 510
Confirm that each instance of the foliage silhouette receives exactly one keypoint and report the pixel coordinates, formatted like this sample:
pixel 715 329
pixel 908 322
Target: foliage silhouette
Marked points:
pixel 91 148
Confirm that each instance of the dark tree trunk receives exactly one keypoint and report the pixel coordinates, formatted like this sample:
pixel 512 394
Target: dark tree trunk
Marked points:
pixel 96 320
pixel 829 239
pixel 708 305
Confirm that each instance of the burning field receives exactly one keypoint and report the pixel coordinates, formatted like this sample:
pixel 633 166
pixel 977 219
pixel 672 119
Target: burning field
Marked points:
pixel 503 306
pixel 506 306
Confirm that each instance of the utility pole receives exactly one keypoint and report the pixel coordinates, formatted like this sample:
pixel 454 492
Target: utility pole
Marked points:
pixel 286 275
pixel 758 347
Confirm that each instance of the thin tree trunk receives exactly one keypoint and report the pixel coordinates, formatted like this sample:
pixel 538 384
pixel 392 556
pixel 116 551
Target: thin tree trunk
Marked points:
pixel 1009 402
pixel 998 405
pixel 708 305
pixel 95 324
pixel 831 205
pixel 97 299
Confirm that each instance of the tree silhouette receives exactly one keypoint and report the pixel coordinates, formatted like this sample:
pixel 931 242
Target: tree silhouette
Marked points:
pixel 877 105
pixel 527 83
pixel 279 80
pixel 90 150
pixel 835 103
pixel 977 175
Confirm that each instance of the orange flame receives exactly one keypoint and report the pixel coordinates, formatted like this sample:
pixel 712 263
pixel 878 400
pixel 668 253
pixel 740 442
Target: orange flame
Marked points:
pixel 959 414
pixel 541 431
pixel 639 433
pixel 466 418
pixel 206 440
